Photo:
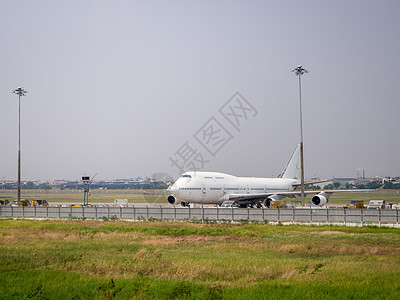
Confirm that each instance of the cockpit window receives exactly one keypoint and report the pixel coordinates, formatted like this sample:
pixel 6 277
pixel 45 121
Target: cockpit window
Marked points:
pixel 186 176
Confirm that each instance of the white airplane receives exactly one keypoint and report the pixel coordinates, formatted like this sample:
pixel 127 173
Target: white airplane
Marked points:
pixel 215 188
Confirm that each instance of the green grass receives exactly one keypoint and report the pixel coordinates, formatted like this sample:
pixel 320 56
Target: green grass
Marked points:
pixel 57 259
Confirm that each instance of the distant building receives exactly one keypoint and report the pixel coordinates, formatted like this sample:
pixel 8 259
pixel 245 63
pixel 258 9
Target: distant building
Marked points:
pixel 346 181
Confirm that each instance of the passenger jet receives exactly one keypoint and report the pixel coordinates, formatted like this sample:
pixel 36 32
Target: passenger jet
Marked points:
pixel 215 188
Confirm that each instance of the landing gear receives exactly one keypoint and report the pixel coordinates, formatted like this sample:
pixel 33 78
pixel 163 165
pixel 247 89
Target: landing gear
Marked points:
pixel 267 203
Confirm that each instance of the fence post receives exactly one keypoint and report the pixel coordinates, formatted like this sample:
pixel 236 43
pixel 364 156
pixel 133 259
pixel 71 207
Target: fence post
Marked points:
pixel 248 213
pixel 232 213
pixel 147 210
pixel 310 215
pixel 217 214
pixel 327 216
pixel 47 212
pixel 263 209
pixel 161 212
pixel 108 212
pixel 134 212
pixel 279 214
pixel 83 212
pixel 12 212
pixel 293 214
pixel 379 216
pixel 120 212
pixel 397 213
pixel 362 216
pixel 175 211
pixel 190 215
pixel 23 211
pixel 344 215
pixel 59 212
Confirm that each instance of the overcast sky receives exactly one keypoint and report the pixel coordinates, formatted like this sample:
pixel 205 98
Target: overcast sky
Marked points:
pixel 129 88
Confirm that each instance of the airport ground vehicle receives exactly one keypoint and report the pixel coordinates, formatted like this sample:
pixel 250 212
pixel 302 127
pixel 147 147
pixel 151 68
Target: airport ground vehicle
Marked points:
pixel 376 204
pixel 22 202
pixel 356 204
pixel 39 202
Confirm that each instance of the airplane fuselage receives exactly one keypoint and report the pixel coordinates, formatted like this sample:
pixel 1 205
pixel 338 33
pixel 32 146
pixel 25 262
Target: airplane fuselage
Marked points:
pixel 214 188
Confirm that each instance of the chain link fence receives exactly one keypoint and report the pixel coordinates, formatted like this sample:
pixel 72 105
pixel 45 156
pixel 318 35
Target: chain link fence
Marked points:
pixel 284 215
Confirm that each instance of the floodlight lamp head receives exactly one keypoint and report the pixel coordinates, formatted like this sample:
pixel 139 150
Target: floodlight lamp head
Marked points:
pixel 20 91
pixel 299 70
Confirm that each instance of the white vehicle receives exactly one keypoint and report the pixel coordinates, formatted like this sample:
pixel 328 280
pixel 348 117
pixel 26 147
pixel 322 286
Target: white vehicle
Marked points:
pixel 215 188
pixel 376 204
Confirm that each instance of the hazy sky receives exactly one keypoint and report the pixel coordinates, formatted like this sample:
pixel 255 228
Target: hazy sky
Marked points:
pixel 123 88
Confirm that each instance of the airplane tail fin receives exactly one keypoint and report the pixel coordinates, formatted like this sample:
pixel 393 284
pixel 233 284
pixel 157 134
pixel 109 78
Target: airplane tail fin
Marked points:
pixel 293 168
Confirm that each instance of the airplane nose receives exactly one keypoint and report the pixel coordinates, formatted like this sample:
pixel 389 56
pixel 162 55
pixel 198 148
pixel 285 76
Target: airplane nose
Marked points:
pixel 172 189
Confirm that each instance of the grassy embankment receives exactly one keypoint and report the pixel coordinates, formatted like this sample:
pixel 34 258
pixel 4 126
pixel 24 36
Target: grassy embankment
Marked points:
pixel 159 196
pixel 152 260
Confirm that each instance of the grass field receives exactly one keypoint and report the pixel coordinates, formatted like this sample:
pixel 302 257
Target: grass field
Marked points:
pixel 159 196
pixel 72 259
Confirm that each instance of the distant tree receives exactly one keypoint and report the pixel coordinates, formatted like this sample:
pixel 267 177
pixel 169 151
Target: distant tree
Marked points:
pixel 328 187
pixel 44 186
pixel 349 185
pixel 336 185
pixel 388 185
pixel 373 185
pixel 30 185
pixel 311 187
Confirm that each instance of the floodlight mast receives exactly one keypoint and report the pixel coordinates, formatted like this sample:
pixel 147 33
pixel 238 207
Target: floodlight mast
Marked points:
pixel 298 72
pixel 20 92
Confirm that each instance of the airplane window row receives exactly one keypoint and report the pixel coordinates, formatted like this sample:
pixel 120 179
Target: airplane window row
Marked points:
pixel 231 189
pixel 186 176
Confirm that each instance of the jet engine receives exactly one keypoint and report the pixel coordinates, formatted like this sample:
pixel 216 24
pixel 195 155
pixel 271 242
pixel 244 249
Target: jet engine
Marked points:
pixel 320 199
pixel 172 200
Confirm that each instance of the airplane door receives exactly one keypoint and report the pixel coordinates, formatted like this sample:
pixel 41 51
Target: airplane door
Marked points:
pixel 223 190
pixel 247 190
pixel 203 192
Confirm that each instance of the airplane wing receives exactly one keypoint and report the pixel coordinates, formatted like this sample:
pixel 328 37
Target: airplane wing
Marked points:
pixel 249 198
pixel 312 181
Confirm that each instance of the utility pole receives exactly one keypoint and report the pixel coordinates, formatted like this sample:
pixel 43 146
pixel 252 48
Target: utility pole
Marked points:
pixel 298 72
pixel 20 92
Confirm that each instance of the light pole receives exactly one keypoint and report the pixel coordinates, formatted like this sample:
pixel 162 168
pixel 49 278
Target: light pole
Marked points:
pixel 20 92
pixel 298 72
